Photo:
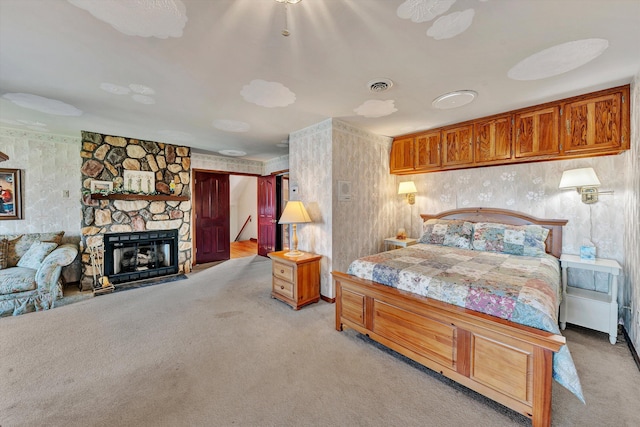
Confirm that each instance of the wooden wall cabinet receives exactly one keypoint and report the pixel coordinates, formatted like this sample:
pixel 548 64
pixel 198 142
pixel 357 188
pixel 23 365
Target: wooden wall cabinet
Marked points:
pixel 537 132
pixel 402 157
pixel 427 149
pixel 594 124
pixel 493 139
pixel 457 146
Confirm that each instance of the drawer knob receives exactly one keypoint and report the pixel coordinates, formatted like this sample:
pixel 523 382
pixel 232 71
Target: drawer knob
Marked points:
pixel 281 271
pixel 281 287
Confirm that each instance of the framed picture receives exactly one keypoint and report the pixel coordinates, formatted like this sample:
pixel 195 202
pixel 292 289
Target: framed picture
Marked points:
pixel 101 186
pixel 139 181
pixel 10 194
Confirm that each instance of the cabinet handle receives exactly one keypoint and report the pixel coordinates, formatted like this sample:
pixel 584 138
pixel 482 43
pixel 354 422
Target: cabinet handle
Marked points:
pixel 568 127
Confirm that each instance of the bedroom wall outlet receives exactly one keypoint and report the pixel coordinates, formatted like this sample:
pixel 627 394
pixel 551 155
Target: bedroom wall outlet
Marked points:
pixel 294 190
pixel 65 194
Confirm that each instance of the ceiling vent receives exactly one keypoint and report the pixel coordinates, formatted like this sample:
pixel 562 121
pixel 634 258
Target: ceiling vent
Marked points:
pixel 380 85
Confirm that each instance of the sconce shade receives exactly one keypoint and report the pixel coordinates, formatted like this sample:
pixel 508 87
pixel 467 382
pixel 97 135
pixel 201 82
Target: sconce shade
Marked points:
pixel 576 178
pixel 294 213
pixel 407 187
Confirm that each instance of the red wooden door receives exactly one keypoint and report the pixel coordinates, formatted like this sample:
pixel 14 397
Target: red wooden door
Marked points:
pixel 267 214
pixel 212 217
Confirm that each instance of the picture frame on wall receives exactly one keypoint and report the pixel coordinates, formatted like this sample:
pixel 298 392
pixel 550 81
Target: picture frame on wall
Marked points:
pixel 101 186
pixel 10 194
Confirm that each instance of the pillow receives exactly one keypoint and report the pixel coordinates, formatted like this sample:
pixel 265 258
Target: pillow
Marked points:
pixel 36 254
pixel 4 253
pixel 528 240
pixel 447 232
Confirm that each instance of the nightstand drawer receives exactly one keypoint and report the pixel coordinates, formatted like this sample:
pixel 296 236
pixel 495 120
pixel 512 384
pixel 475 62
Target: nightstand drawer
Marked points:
pixel 283 271
pixel 283 287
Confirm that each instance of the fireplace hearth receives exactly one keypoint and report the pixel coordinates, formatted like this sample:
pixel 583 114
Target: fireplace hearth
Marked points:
pixel 129 257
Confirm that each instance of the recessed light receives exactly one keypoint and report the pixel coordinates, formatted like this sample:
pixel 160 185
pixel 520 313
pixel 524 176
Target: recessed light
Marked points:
pixel 454 99
pixel 232 153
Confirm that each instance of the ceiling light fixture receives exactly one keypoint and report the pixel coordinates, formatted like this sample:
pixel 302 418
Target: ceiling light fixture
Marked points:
pixel 454 99
pixel 285 31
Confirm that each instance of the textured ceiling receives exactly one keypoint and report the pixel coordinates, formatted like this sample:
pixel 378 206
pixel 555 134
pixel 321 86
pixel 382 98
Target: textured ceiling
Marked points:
pixel 219 75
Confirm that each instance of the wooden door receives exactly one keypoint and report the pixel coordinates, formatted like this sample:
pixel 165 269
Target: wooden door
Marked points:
pixel 212 217
pixel 427 148
pixel 594 124
pixel 493 139
pixel 402 155
pixel 537 132
pixel 267 214
pixel 457 145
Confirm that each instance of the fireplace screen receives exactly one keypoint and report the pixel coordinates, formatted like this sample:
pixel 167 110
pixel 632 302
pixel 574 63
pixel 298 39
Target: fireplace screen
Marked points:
pixel 141 255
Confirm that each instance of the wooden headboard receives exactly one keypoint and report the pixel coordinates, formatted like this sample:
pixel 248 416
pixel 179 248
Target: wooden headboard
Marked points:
pixel 504 216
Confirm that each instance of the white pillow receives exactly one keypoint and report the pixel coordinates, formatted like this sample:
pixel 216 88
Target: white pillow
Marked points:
pixel 36 253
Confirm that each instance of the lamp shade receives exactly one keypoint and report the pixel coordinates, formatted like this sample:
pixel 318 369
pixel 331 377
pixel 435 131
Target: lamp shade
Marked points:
pixel 407 187
pixel 575 178
pixel 294 213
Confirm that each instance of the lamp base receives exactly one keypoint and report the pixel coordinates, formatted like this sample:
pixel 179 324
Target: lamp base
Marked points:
pixel 294 253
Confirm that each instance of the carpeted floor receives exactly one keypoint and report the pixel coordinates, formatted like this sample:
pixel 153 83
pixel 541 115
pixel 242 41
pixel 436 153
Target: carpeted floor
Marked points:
pixel 217 350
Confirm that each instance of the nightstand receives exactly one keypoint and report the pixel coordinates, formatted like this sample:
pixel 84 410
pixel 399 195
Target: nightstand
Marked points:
pixel 295 280
pixel 591 309
pixel 391 242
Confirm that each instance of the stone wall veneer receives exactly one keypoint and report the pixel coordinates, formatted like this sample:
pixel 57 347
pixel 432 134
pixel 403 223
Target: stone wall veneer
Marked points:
pixel 104 158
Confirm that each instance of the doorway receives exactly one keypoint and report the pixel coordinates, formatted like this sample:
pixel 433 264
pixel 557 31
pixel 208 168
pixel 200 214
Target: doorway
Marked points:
pixel 251 214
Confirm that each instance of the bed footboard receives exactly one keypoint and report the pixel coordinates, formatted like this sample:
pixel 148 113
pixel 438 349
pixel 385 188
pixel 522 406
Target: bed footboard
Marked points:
pixel 504 361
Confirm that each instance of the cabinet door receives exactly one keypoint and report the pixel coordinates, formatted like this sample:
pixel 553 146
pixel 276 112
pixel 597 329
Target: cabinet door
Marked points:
pixel 402 155
pixel 537 132
pixel 594 124
pixel 493 139
pixel 427 148
pixel 457 146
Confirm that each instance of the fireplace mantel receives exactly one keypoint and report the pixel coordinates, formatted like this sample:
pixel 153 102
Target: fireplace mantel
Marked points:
pixel 166 197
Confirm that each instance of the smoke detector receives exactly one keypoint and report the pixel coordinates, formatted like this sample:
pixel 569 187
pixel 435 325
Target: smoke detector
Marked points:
pixel 379 85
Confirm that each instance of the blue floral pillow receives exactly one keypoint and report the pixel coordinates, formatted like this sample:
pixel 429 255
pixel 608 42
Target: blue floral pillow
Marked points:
pixel 447 232
pixel 528 240
pixel 37 252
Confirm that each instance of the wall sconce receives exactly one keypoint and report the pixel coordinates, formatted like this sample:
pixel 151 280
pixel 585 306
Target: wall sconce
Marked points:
pixel 408 188
pixel 584 181
pixel 294 213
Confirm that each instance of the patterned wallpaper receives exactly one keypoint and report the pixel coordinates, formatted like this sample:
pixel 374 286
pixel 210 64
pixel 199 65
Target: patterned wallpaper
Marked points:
pixel 631 215
pixel 230 164
pixel 50 165
pixel 342 231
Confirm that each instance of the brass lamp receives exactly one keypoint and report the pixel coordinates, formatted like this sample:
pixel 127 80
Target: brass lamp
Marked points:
pixel 408 188
pixel 294 213
pixel 584 181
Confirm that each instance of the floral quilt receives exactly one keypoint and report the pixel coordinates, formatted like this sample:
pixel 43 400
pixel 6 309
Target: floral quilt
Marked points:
pixel 522 289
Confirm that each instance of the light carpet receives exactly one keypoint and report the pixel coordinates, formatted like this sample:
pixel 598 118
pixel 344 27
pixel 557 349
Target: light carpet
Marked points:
pixel 217 350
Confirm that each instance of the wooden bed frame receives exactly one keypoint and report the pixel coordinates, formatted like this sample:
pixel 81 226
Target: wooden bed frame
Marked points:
pixel 502 360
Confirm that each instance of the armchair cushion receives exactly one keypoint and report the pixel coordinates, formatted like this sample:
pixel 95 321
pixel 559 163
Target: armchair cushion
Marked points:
pixel 36 254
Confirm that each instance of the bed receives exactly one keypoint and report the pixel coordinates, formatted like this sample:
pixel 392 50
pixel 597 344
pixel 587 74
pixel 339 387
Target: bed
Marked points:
pixel 494 352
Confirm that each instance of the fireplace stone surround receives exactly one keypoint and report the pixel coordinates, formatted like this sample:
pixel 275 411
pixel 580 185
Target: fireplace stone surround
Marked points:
pixel 105 158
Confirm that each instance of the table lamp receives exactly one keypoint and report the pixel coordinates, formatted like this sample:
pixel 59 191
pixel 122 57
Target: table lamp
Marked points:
pixel 294 213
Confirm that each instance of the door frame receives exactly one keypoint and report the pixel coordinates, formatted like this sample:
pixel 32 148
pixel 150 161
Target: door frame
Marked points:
pixel 194 243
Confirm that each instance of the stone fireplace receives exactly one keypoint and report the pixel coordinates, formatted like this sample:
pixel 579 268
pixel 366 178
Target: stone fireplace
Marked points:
pixel 105 158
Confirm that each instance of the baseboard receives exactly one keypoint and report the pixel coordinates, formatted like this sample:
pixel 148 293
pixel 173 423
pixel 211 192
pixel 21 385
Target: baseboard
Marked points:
pixel 327 299
pixel 632 349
